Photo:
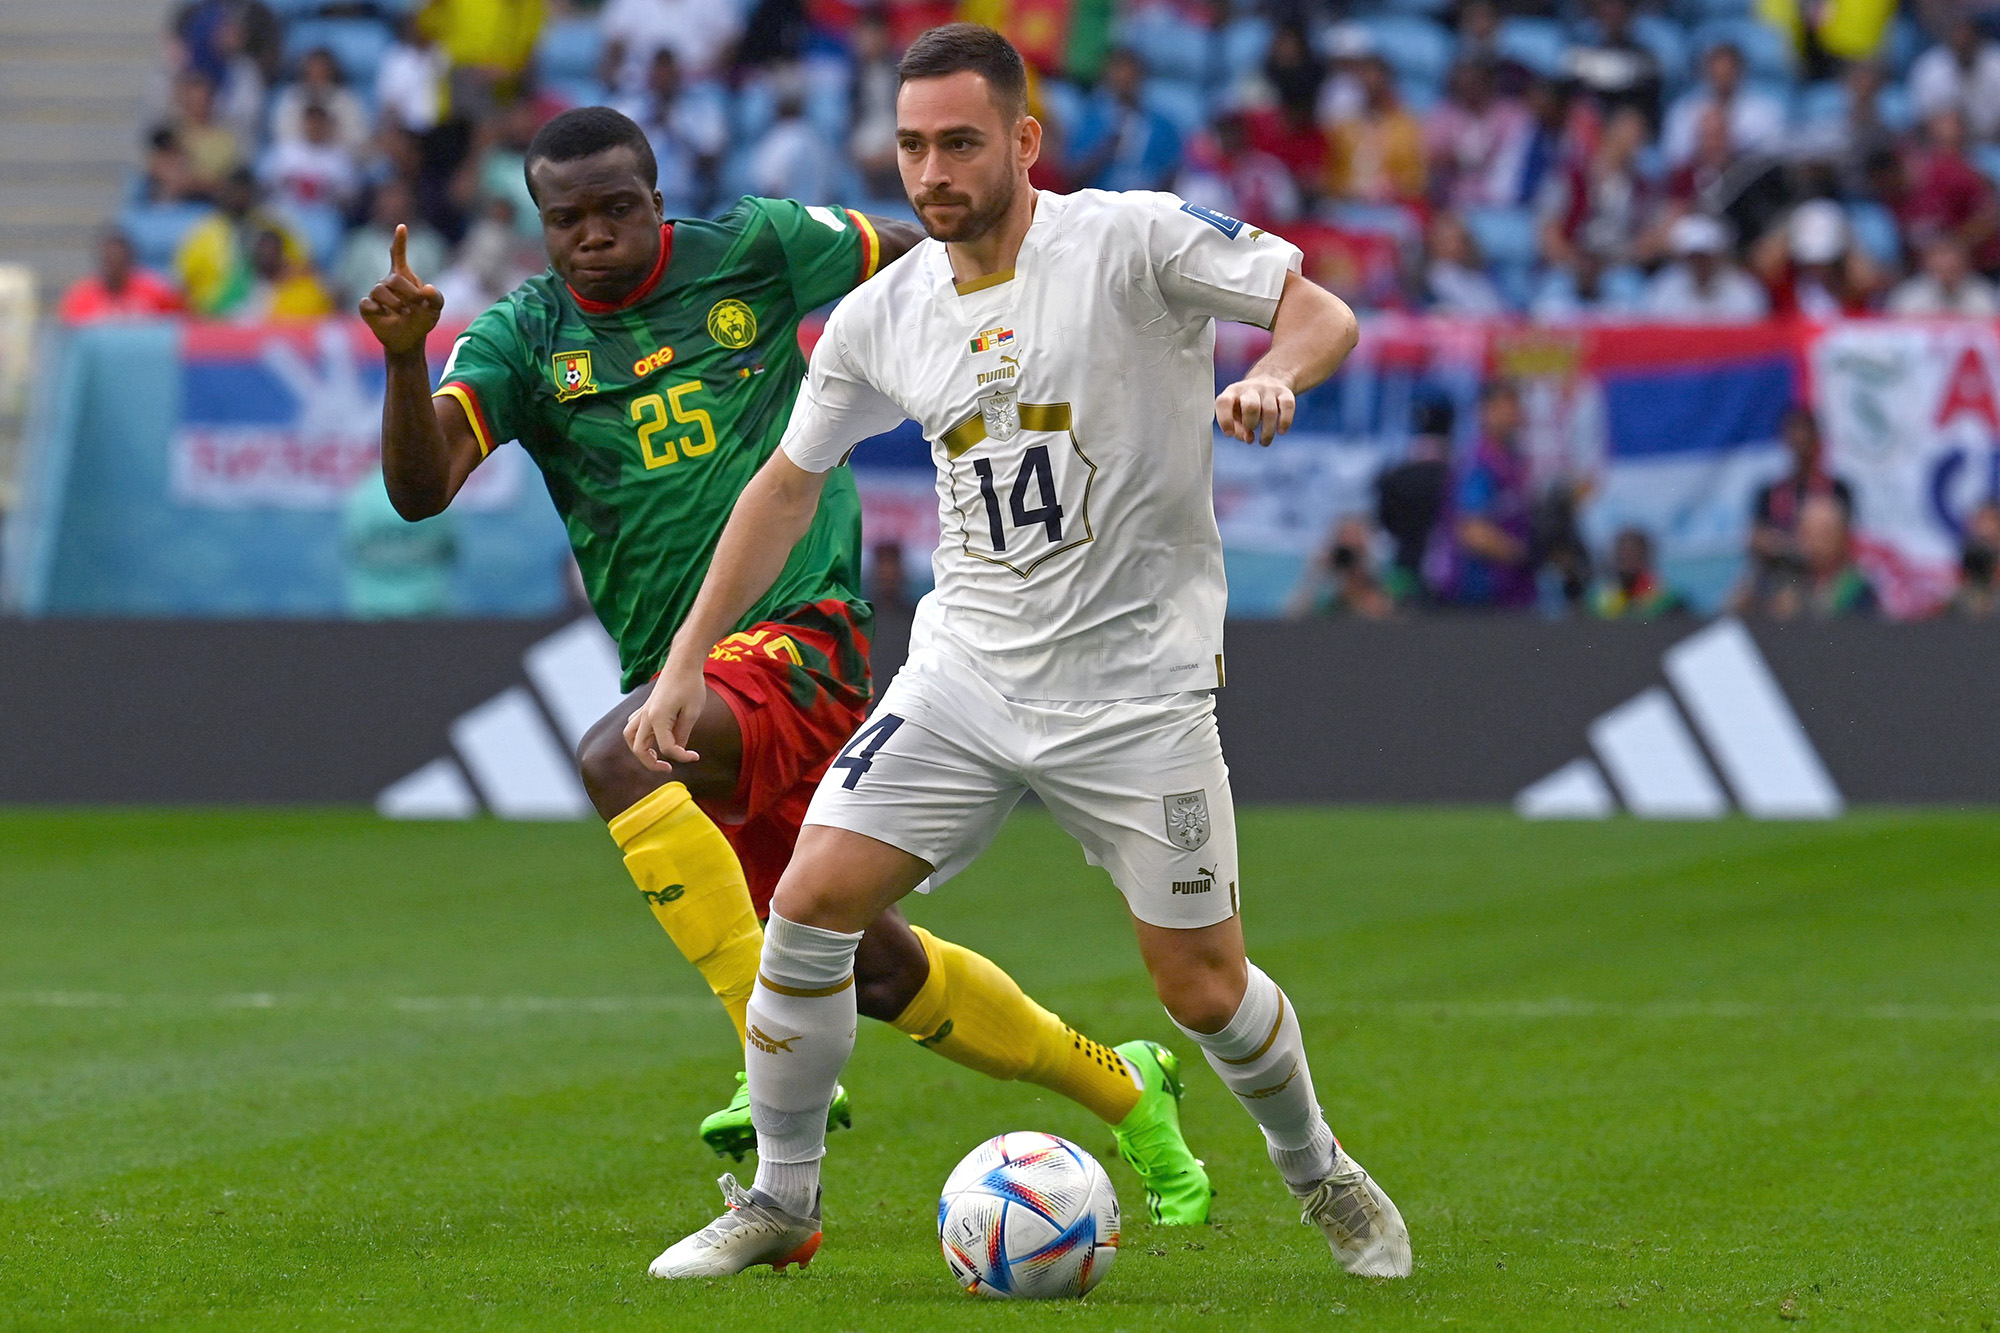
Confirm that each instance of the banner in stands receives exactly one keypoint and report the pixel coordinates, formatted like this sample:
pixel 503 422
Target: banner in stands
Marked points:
pixel 1671 429
pixel 1912 420
pixel 202 469
pixel 208 469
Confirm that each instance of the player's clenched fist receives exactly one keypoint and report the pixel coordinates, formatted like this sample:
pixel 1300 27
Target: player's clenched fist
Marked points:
pixel 658 729
pixel 402 309
pixel 1256 409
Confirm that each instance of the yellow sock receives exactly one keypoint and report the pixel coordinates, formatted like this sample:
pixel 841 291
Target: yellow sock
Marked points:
pixel 694 884
pixel 973 1014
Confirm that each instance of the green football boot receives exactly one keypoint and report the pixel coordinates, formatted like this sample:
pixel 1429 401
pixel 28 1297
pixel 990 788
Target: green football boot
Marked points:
pixel 731 1134
pixel 1149 1139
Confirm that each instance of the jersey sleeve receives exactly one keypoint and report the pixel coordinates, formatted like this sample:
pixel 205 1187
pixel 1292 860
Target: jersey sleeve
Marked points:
pixel 829 250
pixel 1210 264
pixel 487 373
pixel 836 408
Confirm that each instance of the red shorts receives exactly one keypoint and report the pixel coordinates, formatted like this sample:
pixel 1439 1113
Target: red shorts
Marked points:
pixel 799 687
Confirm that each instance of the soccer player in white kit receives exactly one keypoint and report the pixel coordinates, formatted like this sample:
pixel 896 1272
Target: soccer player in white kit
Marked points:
pixel 1058 352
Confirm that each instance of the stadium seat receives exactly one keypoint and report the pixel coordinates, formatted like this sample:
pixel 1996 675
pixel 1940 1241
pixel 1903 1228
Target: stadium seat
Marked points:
pixel 1766 52
pixel 1396 223
pixel 158 229
pixel 570 49
pixel 1904 43
pixel 1172 47
pixel 357 45
pixel 756 106
pixel 1875 231
pixel 1668 41
pixel 1538 44
pixel 1621 289
pixel 828 108
pixel 576 92
pixel 1415 47
pixel 1063 101
pixel 1180 101
pixel 1782 91
pixel 321 227
pixel 1244 43
pixel 1437 9
pixel 1419 96
pixel 1823 103
pixel 1986 157
pixel 1506 236
pixel 1893 104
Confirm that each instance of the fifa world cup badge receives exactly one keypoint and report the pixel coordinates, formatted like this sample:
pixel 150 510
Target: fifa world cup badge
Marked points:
pixel 1001 415
pixel 573 377
pixel 1187 819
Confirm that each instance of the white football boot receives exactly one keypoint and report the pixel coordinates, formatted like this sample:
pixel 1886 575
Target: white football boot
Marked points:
pixel 748 1233
pixel 1361 1226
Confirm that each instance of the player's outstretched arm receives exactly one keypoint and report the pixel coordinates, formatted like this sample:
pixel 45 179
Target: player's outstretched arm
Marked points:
pixel 1311 334
pixel 771 515
pixel 428 448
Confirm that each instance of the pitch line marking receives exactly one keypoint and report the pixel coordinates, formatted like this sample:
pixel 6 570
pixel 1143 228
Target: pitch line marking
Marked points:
pixel 1520 1010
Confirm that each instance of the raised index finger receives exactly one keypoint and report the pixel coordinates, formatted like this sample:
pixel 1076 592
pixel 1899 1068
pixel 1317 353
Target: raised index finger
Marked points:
pixel 398 262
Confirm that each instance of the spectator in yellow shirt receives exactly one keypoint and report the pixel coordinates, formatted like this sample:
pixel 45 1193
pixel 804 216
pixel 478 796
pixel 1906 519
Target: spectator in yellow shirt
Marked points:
pixel 488 43
pixel 1376 157
pixel 213 263
pixel 284 289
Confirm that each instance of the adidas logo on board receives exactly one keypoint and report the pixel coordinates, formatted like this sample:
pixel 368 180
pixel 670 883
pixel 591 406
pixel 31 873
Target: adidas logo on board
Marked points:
pixel 1656 766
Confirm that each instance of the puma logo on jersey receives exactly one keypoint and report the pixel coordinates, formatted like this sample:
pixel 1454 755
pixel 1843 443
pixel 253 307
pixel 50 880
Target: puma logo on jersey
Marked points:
pixel 1009 368
pixel 646 365
pixel 766 1043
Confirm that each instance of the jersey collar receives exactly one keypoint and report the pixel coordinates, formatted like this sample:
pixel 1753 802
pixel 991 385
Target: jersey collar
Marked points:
pixel 639 293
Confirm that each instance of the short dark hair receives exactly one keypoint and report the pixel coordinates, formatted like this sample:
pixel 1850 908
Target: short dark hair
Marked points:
pixel 970 46
pixel 586 131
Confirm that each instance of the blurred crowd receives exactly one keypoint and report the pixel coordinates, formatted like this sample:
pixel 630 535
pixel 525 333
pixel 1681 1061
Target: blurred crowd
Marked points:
pixel 1555 159
pixel 1477 532
pixel 1687 160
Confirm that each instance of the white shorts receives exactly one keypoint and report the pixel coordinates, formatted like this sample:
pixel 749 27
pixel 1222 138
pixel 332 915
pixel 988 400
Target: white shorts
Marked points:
pixel 1139 782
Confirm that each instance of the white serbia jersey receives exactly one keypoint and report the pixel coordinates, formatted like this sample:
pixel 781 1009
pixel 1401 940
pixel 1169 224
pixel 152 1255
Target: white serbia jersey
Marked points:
pixel 1070 408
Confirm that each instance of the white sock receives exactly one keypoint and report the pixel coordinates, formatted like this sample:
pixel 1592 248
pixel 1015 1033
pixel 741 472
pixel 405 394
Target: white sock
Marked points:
pixel 1261 1057
pixel 801 1031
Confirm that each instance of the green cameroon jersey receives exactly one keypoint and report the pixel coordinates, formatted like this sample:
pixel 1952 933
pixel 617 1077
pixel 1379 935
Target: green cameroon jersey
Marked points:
pixel 648 417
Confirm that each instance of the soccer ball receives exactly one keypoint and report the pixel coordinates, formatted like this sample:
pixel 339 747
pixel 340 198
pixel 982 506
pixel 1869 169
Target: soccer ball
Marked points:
pixel 1028 1217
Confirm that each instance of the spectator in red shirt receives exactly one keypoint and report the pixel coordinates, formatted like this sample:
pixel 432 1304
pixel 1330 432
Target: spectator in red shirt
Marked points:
pixel 1934 190
pixel 1812 267
pixel 1602 210
pixel 1226 174
pixel 1289 131
pixel 120 289
pixel 1477 140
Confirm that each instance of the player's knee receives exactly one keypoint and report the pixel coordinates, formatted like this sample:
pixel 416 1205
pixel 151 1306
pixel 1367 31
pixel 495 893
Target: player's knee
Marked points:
pixel 1202 999
pixel 612 776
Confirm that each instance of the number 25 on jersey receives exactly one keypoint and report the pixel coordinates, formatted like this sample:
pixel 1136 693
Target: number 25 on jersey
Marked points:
pixel 1020 481
pixel 653 414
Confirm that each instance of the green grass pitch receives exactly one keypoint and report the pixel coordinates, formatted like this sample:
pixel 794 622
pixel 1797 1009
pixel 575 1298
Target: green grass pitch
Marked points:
pixel 310 1070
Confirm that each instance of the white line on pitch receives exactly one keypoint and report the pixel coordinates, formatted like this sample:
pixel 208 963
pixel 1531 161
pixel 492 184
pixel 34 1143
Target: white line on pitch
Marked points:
pixel 1530 1009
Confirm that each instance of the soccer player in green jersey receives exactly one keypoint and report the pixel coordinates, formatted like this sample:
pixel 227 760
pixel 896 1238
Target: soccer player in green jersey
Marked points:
pixel 649 373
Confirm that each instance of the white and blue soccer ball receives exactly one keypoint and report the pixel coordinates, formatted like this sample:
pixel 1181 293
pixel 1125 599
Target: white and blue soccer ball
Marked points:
pixel 1028 1217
